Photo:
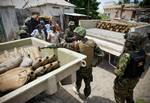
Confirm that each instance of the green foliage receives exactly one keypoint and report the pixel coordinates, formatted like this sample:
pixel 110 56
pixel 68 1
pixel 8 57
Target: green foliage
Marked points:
pixel 103 17
pixel 87 7
pixel 119 2
pixel 126 1
pixel 145 3
pixel 140 101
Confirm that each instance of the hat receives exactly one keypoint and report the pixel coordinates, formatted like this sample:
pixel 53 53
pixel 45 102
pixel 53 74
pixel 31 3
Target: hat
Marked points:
pixel 80 31
pixel 71 23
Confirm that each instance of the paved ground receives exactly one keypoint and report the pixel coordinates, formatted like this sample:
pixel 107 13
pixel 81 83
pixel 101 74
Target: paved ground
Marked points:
pixel 102 89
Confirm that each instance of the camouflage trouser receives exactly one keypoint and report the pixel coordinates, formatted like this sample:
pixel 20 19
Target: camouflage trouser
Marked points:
pixel 123 89
pixel 86 75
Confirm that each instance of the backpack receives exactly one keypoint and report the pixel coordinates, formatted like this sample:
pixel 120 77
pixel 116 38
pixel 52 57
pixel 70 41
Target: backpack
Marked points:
pixel 87 48
pixel 135 68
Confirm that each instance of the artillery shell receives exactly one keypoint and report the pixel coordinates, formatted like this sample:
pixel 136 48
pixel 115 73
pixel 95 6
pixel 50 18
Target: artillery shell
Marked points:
pixel 40 71
pixel 55 65
pixel 45 61
pixel 36 64
pixel 52 58
pixel 48 67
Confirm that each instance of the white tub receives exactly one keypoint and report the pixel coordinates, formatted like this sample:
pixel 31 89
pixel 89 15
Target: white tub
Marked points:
pixel 69 61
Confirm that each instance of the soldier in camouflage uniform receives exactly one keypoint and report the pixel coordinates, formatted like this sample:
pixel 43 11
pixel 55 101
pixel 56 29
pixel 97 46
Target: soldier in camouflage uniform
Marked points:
pixel 23 32
pixel 130 68
pixel 69 35
pixel 89 48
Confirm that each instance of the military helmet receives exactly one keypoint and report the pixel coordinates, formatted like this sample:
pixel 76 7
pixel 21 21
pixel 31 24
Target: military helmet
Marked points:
pixel 134 38
pixel 71 23
pixel 80 31
pixel 23 27
pixel 21 32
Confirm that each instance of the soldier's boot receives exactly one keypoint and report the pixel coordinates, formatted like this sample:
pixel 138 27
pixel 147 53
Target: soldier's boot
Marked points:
pixel 87 91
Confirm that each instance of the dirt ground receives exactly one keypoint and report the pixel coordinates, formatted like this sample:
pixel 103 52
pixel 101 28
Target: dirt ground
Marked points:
pixel 102 88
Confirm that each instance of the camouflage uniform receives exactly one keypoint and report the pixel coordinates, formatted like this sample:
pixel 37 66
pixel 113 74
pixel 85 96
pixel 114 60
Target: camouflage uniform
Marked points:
pixel 89 48
pixel 69 35
pixel 23 32
pixel 123 87
pixel 127 78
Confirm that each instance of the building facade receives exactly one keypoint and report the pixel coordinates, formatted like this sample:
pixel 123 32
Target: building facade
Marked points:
pixel 8 21
pixel 114 11
pixel 55 8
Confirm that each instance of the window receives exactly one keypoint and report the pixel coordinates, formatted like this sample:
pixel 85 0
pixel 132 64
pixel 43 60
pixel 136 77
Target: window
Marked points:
pixel 67 8
pixel 56 7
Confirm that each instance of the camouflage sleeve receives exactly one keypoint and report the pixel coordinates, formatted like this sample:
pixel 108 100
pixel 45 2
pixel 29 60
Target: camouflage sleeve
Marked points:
pixel 123 61
pixel 66 32
pixel 98 51
pixel 68 37
pixel 71 46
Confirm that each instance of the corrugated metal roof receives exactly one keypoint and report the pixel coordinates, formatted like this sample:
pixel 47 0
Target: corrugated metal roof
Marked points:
pixel 33 3
pixel 6 3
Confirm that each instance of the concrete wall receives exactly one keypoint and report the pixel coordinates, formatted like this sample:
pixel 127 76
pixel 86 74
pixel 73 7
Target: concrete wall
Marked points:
pixel 10 22
pixel 88 23
pixel 22 15
pixel 127 14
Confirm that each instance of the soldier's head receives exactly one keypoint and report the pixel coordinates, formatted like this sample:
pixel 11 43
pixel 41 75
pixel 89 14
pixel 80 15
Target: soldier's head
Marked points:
pixel 71 25
pixel 133 41
pixel 80 32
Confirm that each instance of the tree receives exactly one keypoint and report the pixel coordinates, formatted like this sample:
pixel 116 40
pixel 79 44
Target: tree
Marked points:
pixel 126 1
pixel 145 3
pixel 123 2
pixel 87 7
